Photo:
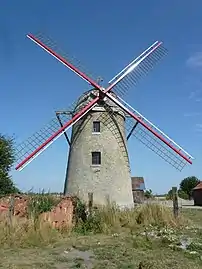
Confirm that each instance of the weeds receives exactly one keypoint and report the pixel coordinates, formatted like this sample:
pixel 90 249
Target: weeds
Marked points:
pixel 25 233
pixel 40 203
pixel 117 238
pixel 109 219
pixel 30 231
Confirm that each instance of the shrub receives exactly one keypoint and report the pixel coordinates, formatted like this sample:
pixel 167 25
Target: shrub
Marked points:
pixel 148 194
pixel 183 195
pixel 110 219
pixel 39 203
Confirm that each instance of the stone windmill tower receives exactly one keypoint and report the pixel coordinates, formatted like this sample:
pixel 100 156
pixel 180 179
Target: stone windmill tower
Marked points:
pixel 102 122
pixel 98 154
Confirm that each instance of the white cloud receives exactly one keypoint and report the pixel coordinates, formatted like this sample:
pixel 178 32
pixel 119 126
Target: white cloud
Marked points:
pixel 192 94
pixel 195 60
pixel 196 95
pixel 199 127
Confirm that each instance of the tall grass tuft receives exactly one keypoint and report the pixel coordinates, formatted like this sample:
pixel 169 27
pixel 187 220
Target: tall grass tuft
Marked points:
pixel 112 219
pixel 25 233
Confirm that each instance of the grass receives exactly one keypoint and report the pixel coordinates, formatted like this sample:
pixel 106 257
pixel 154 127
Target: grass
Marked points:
pixel 145 237
pixel 194 214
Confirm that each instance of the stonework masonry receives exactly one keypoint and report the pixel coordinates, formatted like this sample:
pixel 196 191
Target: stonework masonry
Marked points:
pixel 110 180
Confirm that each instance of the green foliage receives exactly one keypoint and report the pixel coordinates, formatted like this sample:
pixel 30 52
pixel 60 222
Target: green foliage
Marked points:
pixel 148 194
pixel 183 195
pixel 6 153
pixel 6 184
pixel 92 224
pixel 6 161
pixel 110 219
pixel 195 246
pixel 40 203
pixel 87 222
pixel 187 185
pixel 80 211
pixel 169 195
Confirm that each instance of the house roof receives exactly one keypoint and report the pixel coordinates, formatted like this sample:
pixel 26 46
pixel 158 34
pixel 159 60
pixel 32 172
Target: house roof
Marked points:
pixel 198 187
pixel 138 183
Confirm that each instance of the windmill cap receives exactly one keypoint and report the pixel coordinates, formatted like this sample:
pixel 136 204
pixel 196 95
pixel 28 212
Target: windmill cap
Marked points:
pixel 88 96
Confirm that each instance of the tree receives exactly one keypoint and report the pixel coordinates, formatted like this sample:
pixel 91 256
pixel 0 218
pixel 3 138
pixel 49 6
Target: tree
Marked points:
pixel 6 153
pixel 169 195
pixel 6 184
pixel 148 194
pixel 181 194
pixel 6 162
pixel 187 185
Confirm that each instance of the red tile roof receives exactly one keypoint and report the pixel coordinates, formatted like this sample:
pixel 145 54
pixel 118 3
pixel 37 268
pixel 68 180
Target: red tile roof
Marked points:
pixel 198 187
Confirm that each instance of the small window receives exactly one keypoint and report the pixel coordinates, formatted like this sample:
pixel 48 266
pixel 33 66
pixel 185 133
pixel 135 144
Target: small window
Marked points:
pixel 96 127
pixel 96 158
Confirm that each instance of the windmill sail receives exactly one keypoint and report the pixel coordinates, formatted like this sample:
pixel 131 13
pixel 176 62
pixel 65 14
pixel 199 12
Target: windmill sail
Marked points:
pixel 28 146
pixel 41 140
pixel 151 136
pixel 38 142
pixel 158 146
pixel 137 69
pixel 31 148
pixel 72 63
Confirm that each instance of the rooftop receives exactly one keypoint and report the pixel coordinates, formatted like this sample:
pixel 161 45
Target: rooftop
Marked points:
pixel 198 187
pixel 138 183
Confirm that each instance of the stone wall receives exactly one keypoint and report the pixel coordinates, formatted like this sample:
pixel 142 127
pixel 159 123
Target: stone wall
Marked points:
pixel 60 216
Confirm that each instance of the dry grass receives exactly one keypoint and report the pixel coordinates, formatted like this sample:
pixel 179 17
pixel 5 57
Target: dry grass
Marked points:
pixel 109 238
pixel 106 220
pixel 112 218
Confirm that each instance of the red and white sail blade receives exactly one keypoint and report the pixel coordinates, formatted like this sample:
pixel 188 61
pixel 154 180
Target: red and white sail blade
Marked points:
pixel 137 69
pixel 37 143
pixel 72 63
pixel 153 137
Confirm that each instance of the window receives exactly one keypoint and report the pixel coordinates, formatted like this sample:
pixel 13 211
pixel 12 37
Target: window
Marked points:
pixel 96 158
pixel 96 127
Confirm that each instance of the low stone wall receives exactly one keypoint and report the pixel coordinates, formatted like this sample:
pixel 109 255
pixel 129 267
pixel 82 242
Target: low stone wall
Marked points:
pixel 60 216
pixel 19 205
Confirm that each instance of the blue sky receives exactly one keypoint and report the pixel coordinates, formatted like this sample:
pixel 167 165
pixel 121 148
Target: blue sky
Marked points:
pixel 105 36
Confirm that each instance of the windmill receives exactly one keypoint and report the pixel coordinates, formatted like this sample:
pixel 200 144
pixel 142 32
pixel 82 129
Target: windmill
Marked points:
pixel 102 122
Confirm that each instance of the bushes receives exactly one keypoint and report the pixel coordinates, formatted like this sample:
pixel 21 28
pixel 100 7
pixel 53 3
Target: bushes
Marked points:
pixel 181 194
pixel 6 161
pixel 108 219
pixel 39 203
pixel 148 194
